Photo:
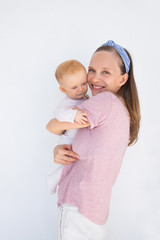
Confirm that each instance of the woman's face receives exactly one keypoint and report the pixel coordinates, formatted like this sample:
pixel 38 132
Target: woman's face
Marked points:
pixel 104 73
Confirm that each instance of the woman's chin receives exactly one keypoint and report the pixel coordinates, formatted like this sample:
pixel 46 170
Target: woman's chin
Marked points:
pixel 96 91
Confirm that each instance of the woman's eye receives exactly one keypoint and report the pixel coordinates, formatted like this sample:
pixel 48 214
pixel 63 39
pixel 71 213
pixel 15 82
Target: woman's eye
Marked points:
pixel 105 72
pixel 91 70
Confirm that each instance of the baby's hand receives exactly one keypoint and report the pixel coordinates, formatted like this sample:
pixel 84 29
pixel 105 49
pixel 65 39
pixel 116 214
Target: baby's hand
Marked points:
pixel 81 117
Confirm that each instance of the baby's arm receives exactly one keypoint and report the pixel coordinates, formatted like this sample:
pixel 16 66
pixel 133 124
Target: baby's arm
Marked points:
pixel 71 115
pixel 65 114
pixel 58 128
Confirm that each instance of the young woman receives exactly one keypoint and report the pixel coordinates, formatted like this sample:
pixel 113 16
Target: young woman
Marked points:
pixel 93 161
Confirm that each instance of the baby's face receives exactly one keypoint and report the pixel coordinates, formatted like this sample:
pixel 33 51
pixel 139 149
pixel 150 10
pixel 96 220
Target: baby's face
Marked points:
pixel 75 85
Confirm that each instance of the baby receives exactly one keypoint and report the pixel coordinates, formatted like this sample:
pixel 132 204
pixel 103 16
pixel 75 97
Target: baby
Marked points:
pixel 72 78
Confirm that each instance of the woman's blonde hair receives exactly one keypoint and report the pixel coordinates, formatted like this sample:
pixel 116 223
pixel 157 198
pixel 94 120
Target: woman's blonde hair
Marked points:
pixel 130 95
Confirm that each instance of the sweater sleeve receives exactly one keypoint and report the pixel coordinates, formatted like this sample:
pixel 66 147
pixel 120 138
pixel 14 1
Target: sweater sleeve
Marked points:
pixel 98 107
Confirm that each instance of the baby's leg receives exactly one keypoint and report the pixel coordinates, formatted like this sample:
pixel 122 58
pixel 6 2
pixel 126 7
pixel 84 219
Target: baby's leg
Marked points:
pixel 53 179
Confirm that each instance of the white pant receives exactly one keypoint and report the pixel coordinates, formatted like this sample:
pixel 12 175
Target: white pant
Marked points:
pixel 74 226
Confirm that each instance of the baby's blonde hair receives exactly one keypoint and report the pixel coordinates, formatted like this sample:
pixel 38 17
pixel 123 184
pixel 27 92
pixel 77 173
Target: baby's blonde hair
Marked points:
pixel 68 67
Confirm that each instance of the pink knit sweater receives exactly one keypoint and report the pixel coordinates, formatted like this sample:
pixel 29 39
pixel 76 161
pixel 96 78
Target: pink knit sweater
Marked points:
pixel 88 182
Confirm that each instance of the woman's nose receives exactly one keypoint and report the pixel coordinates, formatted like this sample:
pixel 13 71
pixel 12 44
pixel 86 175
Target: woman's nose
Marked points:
pixel 96 79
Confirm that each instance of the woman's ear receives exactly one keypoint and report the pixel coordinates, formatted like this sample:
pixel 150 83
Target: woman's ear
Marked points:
pixel 62 89
pixel 124 79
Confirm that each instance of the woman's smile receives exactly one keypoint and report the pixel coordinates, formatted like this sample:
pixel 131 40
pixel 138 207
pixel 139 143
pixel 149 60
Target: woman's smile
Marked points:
pixel 96 88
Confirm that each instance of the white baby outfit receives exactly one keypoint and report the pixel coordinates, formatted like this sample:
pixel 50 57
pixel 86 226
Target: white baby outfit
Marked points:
pixel 63 113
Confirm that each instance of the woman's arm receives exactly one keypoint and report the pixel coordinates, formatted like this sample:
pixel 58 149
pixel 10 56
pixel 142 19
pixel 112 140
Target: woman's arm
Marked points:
pixel 58 128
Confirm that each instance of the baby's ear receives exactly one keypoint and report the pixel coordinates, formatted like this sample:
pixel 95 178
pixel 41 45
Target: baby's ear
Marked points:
pixel 62 89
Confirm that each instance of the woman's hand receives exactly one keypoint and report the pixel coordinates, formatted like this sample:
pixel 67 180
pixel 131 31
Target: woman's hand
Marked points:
pixel 64 155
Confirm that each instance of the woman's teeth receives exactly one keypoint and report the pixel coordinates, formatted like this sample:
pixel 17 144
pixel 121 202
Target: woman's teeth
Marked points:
pixel 97 87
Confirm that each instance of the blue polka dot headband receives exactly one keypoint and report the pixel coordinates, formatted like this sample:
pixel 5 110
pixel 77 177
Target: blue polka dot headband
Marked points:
pixel 121 52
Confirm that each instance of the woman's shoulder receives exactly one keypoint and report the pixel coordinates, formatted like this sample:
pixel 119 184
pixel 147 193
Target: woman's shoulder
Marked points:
pixel 120 103
pixel 104 95
pixel 113 97
pixel 107 95
pixel 114 100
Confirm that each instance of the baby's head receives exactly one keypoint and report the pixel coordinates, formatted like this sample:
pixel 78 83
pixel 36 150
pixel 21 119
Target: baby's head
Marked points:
pixel 72 78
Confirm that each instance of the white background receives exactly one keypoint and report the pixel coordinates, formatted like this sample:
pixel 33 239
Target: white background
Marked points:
pixel 35 36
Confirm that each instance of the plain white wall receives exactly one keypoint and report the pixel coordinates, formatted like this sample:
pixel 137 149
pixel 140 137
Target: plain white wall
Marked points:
pixel 35 36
